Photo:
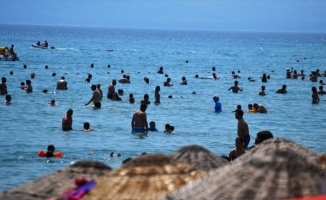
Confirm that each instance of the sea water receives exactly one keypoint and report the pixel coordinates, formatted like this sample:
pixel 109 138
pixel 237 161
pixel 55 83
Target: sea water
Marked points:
pixel 29 124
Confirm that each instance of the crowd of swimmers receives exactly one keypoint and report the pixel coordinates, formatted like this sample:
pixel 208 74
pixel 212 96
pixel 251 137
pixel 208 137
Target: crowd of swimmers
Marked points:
pixel 139 119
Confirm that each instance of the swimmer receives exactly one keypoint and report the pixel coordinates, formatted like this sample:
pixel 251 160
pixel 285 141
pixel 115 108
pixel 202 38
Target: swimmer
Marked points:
pixel 295 74
pixel 29 87
pixel 8 99
pixel 116 97
pixel 238 150
pixel 120 92
pixel 67 120
pixel 22 85
pixel 235 88
pixel 264 78
pixel 282 90
pixel 131 99
pixel 139 120
pixel 87 127
pixel 315 97
pixel 250 108
pixel 3 86
pixel 260 108
pixel 50 151
pixel 262 91
pixel 146 80
pixel 98 87
pixel 301 73
pixel 125 79
pixel 184 81
pixel 145 100
pixel 321 90
pixel 251 79
pixel 289 72
pixel 52 102
pixel 62 84
pixel 160 71
pixel 152 126
pixel 243 128
pixel 167 128
pixel 234 75
pixel 215 77
pixel 218 105
pixel 157 95
pixel 96 98
pixel 262 136
pixel 167 82
pixel 111 89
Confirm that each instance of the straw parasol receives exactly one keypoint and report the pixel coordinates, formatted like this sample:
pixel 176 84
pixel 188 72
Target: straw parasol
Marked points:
pixel 157 176
pixel 199 157
pixel 274 173
pixel 278 143
pixel 321 160
pixel 56 183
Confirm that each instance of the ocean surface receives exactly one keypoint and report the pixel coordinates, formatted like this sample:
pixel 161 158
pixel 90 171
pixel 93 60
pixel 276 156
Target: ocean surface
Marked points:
pixel 29 124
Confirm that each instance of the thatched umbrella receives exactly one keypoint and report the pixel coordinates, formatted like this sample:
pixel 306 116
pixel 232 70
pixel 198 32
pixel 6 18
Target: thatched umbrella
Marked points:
pixel 54 184
pixel 146 177
pixel 279 143
pixel 199 157
pixel 272 173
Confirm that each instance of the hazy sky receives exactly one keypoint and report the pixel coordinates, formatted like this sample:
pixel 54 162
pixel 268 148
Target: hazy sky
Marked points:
pixel 222 15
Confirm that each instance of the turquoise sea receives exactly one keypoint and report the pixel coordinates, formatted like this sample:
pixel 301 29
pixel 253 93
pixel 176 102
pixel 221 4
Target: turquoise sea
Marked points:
pixel 29 124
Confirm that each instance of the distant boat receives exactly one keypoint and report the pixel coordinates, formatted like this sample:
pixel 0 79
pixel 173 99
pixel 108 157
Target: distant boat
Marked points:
pixel 42 46
pixel 5 55
pixel 110 50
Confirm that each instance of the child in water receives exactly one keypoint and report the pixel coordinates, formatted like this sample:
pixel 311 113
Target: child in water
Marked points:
pixel 50 151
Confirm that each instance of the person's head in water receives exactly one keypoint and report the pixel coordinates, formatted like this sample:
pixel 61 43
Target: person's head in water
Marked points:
pixel 86 126
pixel 8 99
pixel 262 136
pixel 52 102
pixel 143 107
pixel 152 126
pixel 50 150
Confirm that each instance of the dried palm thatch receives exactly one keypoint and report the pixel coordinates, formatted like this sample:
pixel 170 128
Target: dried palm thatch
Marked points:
pixel 157 176
pixel 56 183
pixel 321 160
pixel 199 157
pixel 278 143
pixel 272 173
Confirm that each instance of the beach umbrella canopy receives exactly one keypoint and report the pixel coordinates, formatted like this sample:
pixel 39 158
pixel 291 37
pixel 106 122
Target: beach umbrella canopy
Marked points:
pixel 278 143
pixel 157 176
pixel 199 157
pixel 56 183
pixel 272 173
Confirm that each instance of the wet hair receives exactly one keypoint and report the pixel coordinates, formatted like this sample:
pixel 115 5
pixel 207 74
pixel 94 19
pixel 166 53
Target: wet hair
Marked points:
pixel 50 151
pixel 120 92
pixel 264 135
pixel 86 125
